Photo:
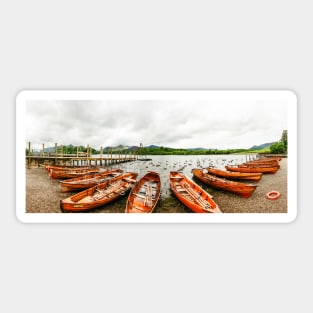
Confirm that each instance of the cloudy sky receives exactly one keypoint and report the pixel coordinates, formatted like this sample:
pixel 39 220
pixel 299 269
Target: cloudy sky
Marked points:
pixel 180 124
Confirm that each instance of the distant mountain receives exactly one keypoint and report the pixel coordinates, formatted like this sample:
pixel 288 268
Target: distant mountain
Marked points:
pixel 152 146
pixel 263 146
pixel 195 149
pixel 119 147
pixel 155 147
pixel 49 149
pixel 133 148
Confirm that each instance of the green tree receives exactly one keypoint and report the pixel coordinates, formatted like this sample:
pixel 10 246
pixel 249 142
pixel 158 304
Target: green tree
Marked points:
pixel 278 148
pixel 284 139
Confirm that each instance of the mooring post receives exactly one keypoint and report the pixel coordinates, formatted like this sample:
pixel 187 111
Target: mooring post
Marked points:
pixel 87 154
pixel 55 153
pixel 101 156
pixel 28 161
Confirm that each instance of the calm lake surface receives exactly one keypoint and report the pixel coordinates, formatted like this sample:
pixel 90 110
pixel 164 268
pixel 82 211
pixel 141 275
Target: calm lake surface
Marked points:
pixel 163 164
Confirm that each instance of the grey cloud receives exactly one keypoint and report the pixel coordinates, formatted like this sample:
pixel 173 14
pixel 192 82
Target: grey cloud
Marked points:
pixel 168 123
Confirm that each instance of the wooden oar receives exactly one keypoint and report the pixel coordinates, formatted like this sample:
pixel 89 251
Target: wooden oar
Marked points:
pixel 205 205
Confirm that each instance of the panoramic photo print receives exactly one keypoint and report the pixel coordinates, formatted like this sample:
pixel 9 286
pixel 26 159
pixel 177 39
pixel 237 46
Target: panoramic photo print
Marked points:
pixel 175 154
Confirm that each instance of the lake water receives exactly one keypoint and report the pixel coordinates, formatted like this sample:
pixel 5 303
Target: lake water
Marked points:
pixel 163 164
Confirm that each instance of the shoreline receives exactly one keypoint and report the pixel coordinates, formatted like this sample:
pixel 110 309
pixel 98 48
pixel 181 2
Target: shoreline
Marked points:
pixel 43 195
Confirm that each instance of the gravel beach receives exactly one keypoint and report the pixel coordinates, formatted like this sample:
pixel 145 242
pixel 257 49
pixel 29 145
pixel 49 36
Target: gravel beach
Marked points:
pixel 43 195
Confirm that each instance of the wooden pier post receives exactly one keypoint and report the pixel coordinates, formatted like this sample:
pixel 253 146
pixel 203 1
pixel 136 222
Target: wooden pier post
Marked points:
pixel 43 150
pixel 55 153
pixel 101 156
pixel 87 157
pixel 28 163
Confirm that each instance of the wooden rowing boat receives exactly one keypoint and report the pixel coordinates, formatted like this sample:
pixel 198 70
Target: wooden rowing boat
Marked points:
pixel 264 170
pixel 258 165
pixel 64 167
pixel 90 180
pixel 72 173
pixel 243 190
pixel 99 195
pixel 234 175
pixel 191 194
pixel 267 159
pixel 272 163
pixel 145 194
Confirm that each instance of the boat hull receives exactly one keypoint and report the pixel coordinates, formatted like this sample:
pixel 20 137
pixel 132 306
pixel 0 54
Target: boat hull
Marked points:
pixel 99 195
pixel 145 195
pixel 61 174
pixel 88 181
pixel 243 190
pixel 235 175
pixel 191 194
pixel 64 167
pixel 264 170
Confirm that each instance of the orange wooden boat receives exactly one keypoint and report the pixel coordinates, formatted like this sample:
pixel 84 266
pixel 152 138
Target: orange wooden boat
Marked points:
pixel 145 195
pixel 64 167
pixel 90 180
pixel 191 194
pixel 234 175
pixel 270 162
pixel 243 190
pixel 258 165
pixel 264 170
pixel 267 159
pixel 72 173
pixel 99 195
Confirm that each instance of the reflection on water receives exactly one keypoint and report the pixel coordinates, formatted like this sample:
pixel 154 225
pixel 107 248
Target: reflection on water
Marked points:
pixel 163 164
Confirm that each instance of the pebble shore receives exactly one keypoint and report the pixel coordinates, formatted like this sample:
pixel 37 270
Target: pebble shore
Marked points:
pixel 43 195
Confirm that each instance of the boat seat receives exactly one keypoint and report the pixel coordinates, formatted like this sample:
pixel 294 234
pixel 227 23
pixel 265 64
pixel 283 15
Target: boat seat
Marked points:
pixel 180 188
pixel 138 208
pixel 139 195
pixel 130 180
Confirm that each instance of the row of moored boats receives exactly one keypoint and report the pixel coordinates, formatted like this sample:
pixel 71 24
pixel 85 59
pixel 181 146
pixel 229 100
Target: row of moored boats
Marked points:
pixel 102 187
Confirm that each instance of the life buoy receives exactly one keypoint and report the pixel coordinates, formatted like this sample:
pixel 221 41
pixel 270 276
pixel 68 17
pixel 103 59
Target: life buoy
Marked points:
pixel 273 195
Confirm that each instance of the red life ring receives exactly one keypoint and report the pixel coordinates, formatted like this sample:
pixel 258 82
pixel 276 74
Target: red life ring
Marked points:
pixel 273 195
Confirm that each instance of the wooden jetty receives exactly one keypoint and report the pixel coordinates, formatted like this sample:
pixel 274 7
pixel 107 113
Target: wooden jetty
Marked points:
pixel 37 161
pixel 43 158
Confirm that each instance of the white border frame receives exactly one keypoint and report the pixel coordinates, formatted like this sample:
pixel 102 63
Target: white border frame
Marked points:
pixel 211 95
